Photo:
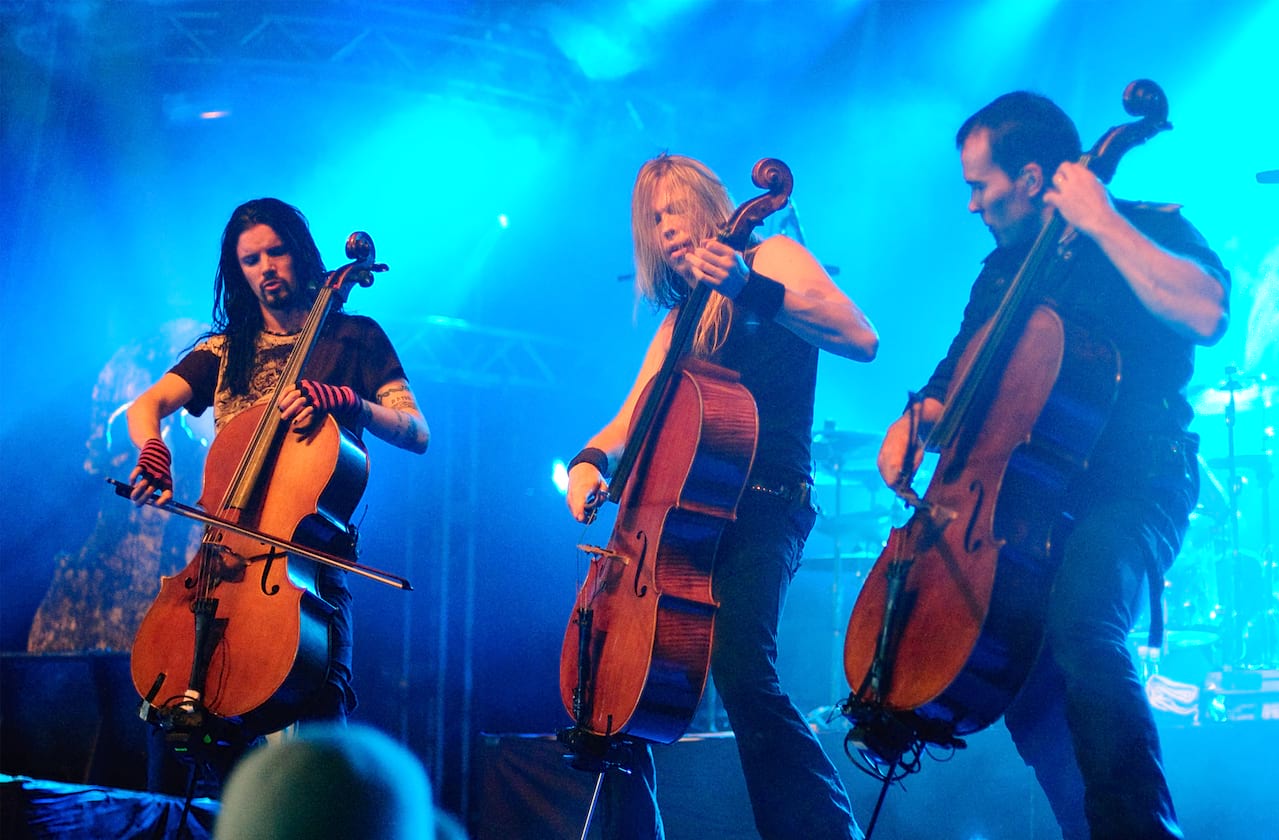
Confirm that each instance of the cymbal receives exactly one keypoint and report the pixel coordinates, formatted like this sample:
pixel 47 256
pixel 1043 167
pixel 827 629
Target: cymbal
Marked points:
pixel 832 447
pixel 1248 392
pixel 1178 639
pixel 1258 462
pixel 856 563
pixel 1214 498
pixel 866 476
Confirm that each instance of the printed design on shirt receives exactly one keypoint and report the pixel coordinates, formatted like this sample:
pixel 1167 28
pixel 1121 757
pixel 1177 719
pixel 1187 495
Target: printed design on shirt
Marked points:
pixel 271 356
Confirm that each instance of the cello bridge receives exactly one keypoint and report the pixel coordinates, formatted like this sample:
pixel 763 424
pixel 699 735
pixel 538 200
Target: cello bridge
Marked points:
pixel 598 553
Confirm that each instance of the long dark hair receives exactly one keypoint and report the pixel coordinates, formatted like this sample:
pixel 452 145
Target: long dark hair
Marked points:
pixel 236 313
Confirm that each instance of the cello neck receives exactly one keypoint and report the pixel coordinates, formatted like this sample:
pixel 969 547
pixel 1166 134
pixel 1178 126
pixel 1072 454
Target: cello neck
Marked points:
pixel 681 341
pixel 247 476
pixel 1024 292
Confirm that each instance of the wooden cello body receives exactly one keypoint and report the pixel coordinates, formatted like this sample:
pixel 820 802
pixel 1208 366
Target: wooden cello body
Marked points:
pixel 647 649
pixel 974 594
pixel 636 652
pixel 950 618
pixel 241 632
pixel 267 649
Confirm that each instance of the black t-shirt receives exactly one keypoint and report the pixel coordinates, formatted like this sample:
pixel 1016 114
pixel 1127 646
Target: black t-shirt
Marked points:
pixel 1155 362
pixel 352 350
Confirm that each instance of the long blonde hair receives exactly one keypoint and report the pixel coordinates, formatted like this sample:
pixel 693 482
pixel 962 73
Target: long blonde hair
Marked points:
pixel 710 206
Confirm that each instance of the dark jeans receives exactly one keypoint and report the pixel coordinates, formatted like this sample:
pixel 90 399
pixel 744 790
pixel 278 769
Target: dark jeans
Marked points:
pixel 335 700
pixel 1082 720
pixel 794 789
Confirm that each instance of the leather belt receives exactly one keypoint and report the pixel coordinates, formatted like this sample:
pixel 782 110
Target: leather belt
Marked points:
pixel 800 494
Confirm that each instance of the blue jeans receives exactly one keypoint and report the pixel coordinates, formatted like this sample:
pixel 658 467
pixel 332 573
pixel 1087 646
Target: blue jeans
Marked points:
pixel 795 790
pixel 1082 721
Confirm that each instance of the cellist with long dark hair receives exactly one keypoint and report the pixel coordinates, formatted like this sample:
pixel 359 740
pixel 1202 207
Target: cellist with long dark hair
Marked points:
pixel 773 307
pixel 268 277
pixel 1141 278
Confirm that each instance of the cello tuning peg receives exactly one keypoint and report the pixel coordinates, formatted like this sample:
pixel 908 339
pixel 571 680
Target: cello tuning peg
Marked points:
pixel 365 277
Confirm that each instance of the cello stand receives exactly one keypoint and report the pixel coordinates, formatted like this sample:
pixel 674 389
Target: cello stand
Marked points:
pixel 884 744
pixel 598 754
pixel 880 737
pixel 205 744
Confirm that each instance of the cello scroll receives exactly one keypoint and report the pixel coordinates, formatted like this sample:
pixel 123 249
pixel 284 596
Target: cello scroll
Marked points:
pixel 359 247
pixel 1142 98
pixel 769 174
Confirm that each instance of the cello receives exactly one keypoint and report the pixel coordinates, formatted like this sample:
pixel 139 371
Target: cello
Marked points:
pixel 949 620
pixel 636 653
pixel 241 632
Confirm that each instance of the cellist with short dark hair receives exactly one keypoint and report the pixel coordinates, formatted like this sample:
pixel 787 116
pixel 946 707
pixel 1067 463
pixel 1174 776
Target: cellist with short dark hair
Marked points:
pixel 1141 280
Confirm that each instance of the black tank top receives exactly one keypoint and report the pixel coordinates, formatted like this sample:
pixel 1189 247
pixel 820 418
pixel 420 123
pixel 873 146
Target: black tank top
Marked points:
pixel 780 371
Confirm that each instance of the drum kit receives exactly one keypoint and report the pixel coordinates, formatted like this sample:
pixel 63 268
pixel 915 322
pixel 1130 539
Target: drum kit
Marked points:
pixel 1221 596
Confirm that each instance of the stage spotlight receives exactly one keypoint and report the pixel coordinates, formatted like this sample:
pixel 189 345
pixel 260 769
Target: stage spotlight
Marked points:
pixel 502 221
pixel 184 108
pixel 559 476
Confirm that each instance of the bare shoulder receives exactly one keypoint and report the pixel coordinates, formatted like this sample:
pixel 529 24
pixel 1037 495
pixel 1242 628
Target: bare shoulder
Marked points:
pixel 785 260
pixel 781 247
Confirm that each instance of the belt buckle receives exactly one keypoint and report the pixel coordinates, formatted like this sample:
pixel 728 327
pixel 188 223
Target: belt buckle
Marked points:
pixel 806 495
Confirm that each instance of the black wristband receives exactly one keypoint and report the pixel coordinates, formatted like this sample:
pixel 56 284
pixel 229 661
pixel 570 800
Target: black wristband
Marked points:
pixel 597 458
pixel 762 295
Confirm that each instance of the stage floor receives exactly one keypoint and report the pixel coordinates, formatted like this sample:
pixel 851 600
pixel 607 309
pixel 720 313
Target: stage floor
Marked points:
pixel 75 756
pixel 1221 775
pixel 35 809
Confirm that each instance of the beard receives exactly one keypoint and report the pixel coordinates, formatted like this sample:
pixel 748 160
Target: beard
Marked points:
pixel 279 294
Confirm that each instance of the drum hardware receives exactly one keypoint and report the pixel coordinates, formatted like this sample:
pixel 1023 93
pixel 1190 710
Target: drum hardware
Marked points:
pixel 1249 624
pixel 832 450
pixel 1245 393
pixel 864 526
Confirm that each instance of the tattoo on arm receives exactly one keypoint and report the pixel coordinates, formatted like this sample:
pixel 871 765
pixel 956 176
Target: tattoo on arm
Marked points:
pixel 399 399
pixel 385 394
pixel 405 430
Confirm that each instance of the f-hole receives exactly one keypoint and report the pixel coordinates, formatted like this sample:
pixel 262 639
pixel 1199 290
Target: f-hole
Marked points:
pixel 640 590
pixel 266 572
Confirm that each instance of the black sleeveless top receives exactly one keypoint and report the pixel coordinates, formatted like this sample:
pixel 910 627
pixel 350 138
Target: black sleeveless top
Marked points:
pixel 780 370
